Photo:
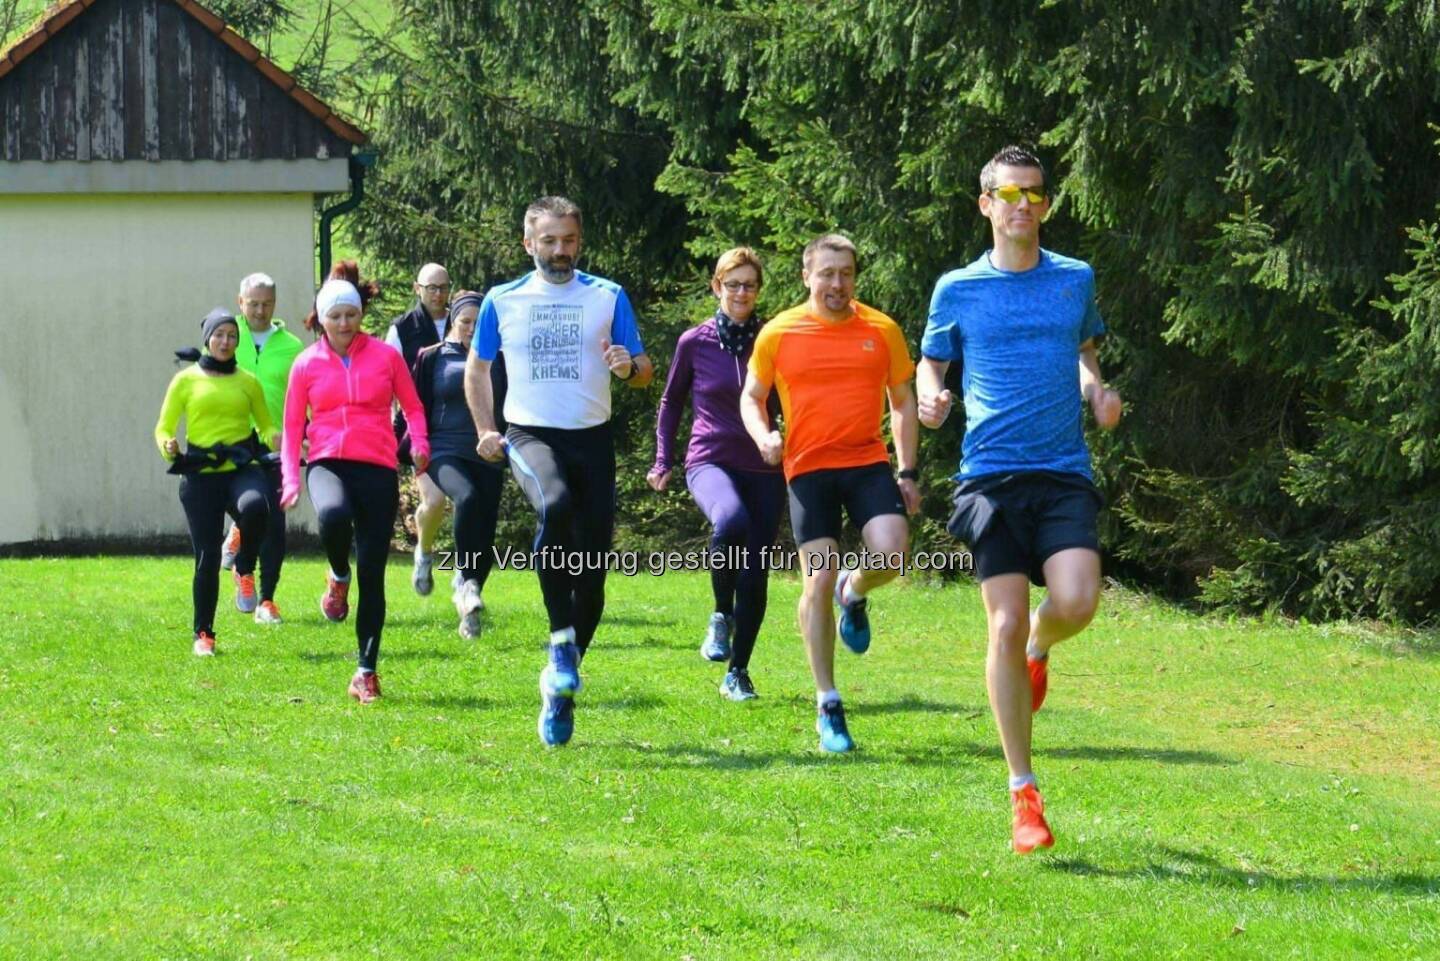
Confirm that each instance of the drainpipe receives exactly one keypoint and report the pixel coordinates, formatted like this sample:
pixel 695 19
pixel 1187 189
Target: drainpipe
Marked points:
pixel 359 163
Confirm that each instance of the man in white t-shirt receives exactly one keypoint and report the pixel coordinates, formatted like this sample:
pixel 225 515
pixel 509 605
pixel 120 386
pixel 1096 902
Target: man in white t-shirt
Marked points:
pixel 564 335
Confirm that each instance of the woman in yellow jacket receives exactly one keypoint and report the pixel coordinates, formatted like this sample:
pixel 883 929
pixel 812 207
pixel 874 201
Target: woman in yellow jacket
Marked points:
pixel 220 467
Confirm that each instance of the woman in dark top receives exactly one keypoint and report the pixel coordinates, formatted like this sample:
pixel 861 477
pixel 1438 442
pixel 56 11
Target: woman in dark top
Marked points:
pixel 740 494
pixel 472 483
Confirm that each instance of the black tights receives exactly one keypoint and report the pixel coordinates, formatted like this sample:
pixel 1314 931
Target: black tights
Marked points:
pixel 569 478
pixel 207 498
pixel 357 501
pixel 475 489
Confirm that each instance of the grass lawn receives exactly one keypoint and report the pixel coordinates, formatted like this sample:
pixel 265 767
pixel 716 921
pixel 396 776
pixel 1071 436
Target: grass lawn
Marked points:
pixel 1218 789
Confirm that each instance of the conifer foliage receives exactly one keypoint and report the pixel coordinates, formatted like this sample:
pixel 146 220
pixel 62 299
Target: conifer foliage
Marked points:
pixel 1255 183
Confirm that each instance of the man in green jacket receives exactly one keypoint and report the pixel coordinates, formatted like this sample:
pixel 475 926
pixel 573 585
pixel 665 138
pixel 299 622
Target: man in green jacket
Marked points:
pixel 267 350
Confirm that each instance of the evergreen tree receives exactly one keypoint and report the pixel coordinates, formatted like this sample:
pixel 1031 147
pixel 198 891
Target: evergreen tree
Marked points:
pixel 1251 181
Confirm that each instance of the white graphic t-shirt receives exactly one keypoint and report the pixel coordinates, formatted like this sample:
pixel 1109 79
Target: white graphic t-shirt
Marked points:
pixel 552 336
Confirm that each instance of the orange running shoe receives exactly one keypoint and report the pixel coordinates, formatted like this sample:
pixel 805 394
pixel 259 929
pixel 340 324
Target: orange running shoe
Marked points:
pixel 204 644
pixel 1039 680
pixel 365 687
pixel 267 613
pixel 245 596
pixel 230 548
pixel 1029 830
pixel 334 603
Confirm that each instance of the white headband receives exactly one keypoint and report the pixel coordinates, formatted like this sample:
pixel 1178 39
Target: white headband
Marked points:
pixel 336 292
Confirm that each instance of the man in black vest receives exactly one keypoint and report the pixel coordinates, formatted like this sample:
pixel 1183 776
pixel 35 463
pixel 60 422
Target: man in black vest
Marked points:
pixel 422 325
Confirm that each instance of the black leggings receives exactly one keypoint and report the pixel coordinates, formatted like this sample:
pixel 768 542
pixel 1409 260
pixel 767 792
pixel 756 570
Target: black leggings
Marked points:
pixel 357 501
pixel 744 509
pixel 569 478
pixel 475 489
pixel 272 548
pixel 207 498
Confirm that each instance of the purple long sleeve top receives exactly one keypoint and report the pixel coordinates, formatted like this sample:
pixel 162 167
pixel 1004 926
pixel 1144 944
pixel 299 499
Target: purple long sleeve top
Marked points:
pixel 712 378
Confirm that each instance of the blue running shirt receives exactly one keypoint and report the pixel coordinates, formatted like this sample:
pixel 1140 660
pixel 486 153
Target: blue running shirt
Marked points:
pixel 1018 337
pixel 551 335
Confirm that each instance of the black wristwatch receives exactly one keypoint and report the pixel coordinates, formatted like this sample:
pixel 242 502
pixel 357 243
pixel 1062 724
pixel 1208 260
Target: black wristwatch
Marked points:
pixel 909 473
pixel 634 369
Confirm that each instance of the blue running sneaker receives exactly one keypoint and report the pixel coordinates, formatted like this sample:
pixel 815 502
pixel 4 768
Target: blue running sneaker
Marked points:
pixel 853 624
pixel 737 686
pixel 830 725
pixel 717 639
pixel 561 677
pixel 557 719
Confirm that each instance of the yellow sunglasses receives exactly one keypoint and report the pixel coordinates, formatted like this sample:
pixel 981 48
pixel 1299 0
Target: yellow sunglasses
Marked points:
pixel 1011 194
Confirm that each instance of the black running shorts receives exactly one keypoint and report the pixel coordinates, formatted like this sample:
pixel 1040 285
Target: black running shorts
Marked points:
pixel 1014 522
pixel 817 499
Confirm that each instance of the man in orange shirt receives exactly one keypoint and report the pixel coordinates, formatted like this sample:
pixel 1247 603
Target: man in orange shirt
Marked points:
pixel 833 360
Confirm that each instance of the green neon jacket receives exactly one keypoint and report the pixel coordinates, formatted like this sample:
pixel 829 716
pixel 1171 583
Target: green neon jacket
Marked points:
pixel 270 366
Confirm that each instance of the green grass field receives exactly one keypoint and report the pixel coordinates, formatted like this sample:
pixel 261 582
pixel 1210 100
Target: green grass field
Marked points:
pixel 1218 789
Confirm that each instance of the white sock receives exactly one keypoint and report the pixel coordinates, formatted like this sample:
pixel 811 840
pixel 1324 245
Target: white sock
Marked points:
pixel 831 696
pixel 339 579
pixel 849 595
pixel 1016 783
pixel 566 635
pixel 1034 653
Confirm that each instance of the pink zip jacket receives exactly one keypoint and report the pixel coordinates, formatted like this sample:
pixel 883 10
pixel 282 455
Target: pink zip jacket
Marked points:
pixel 349 407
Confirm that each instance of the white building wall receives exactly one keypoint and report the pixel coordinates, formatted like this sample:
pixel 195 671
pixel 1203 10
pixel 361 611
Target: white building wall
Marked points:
pixel 96 291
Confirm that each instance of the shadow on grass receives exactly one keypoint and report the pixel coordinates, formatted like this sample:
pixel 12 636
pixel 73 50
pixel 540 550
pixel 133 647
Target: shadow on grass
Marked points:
pixel 460 702
pixel 1173 864
pixel 804 754
pixel 647 642
pixel 634 620
pixel 1164 755
pixel 635 702
pixel 690 758
pixel 909 704
pixel 348 654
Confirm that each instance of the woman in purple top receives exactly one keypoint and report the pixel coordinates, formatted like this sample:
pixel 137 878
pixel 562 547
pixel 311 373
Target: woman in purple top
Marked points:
pixel 740 494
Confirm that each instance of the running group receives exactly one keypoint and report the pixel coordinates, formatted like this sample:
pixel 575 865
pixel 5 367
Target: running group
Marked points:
pixel 785 411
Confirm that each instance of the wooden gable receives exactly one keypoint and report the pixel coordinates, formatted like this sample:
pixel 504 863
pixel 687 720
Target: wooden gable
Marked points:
pixel 155 80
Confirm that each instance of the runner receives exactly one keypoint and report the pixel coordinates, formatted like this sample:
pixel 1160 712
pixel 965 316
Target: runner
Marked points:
pixel 266 350
pixel 472 483
pixel 833 360
pixel 564 334
pixel 341 389
pixel 1024 323
pixel 218 471
pixel 738 492
pixel 423 325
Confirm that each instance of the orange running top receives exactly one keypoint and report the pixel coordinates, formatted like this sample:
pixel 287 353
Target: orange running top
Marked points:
pixel 831 377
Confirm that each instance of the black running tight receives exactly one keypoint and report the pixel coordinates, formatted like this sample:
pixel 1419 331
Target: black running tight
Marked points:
pixel 207 498
pixel 357 502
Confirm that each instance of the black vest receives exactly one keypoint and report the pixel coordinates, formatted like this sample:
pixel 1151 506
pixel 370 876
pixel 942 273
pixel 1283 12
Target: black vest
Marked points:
pixel 416 330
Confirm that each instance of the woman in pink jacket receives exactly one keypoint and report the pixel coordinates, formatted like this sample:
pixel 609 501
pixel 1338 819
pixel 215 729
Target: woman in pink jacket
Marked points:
pixel 339 398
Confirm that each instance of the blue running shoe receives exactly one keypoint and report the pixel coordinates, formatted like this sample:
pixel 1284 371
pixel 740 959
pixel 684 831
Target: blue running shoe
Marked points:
pixel 830 725
pixel 561 677
pixel 557 719
pixel 737 686
pixel 853 623
pixel 717 639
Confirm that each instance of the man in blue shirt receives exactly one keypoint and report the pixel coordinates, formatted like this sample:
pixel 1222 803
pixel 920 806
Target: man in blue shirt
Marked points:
pixel 1023 322
pixel 565 336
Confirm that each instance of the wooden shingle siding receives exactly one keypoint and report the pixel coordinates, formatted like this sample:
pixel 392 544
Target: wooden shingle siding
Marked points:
pixel 146 80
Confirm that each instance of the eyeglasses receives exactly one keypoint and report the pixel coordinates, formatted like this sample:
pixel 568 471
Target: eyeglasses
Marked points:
pixel 1011 194
pixel 736 286
pixel 435 288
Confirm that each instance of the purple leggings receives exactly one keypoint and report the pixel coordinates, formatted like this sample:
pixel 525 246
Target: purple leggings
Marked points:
pixel 743 508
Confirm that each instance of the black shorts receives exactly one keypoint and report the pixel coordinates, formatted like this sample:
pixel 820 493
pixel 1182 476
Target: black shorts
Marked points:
pixel 1014 522
pixel 816 499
